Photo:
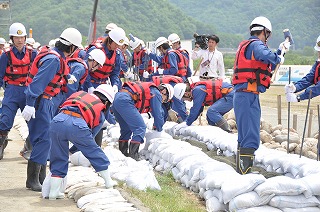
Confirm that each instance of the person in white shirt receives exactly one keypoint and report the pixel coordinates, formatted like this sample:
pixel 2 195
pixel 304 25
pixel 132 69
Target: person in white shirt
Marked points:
pixel 211 63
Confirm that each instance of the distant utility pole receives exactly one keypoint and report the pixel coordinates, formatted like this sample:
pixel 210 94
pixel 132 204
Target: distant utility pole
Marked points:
pixel 92 27
pixel 5 14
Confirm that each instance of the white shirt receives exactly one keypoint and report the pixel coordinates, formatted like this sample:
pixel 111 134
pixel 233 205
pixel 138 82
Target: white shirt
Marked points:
pixel 215 66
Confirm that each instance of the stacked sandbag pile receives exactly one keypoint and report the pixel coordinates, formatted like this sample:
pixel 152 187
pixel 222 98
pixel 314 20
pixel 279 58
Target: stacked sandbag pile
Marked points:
pixel 223 188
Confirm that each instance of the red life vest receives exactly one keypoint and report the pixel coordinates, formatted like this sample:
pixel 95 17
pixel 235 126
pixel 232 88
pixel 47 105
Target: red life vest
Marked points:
pixel 166 79
pixel 182 67
pixel 89 105
pixel 213 90
pixel 316 74
pixel 141 94
pixel 250 70
pixel 79 60
pixel 17 70
pixel 184 52
pixel 108 66
pixel 59 81
pixel 137 61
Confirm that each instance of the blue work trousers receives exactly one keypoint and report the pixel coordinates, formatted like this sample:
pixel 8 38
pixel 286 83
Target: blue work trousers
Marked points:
pixel 65 128
pixel 248 113
pixel 216 111
pixel 129 118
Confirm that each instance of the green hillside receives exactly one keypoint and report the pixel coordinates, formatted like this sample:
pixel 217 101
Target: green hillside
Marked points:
pixel 229 19
pixel 143 18
pixel 234 17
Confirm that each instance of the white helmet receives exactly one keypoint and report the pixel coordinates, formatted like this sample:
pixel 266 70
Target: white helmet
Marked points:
pixel 263 22
pixel 179 90
pixel 126 41
pixel 98 55
pixel 111 26
pixel 52 42
pixel 134 44
pixel 36 45
pixel 2 41
pixel 317 46
pixel 160 41
pixel 71 36
pixel 173 38
pixel 30 41
pixel 18 30
pixel 170 90
pixel 118 35
pixel 193 79
pixel 107 91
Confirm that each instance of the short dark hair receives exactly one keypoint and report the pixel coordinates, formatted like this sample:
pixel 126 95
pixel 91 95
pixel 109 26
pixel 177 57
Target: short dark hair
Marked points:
pixel 214 37
pixel 62 47
pixel 165 46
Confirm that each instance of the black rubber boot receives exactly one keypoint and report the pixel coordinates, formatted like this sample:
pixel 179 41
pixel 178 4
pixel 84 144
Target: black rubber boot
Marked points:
pixel 27 149
pixel 223 124
pixel 98 138
pixel 42 174
pixel 133 150
pixel 3 142
pixel 245 160
pixel 123 147
pixel 33 172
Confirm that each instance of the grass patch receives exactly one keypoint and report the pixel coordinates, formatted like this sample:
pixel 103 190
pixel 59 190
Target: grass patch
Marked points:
pixel 171 197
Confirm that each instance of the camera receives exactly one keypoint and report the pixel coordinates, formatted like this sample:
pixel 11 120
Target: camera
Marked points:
pixel 201 40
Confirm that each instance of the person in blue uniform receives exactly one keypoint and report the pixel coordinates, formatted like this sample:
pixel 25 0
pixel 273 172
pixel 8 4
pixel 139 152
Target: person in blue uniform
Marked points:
pixel 308 83
pixel 46 78
pixel 214 93
pixel 252 72
pixel 79 120
pixel 110 71
pixel 15 63
pixel 171 62
pixel 133 99
pixel 177 105
pixel 176 44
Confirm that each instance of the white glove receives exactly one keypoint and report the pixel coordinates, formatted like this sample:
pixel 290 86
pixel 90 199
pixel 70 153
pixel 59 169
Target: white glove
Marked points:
pixel 285 45
pixel 115 88
pixel 291 97
pixel 290 88
pixel 72 79
pixel 129 75
pixel 105 124
pixel 160 70
pixel 281 59
pixel 90 90
pixel 28 113
pixel 180 126
pixel 148 51
pixel 145 75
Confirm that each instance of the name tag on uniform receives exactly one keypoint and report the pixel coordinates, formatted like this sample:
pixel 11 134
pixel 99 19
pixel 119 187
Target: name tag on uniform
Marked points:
pixel 205 63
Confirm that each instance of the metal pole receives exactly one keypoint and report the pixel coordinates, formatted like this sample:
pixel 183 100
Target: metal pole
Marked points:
pixel 318 149
pixel 93 19
pixel 288 136
pixel 305 123
pixel 279 108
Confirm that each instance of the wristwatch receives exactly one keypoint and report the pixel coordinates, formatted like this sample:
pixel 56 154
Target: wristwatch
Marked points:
pixel 298 98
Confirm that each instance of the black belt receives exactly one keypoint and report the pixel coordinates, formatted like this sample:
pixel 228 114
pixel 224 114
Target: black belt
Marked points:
pixel 203 77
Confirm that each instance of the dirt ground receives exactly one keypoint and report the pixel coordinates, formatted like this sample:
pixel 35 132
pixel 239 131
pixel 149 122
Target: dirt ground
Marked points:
pixel 13 193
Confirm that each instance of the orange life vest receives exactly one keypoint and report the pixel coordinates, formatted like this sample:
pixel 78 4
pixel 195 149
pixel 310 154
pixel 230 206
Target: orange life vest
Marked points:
pixel 79 60
pixel 137 61
pixel 316 74
pixel 17 70
pixel 141 94
pixel 213 90
pixel 250 70
pixel 59 81
pixel 108 66
pixel 182 67
pixel 89 105
pixel 166 79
